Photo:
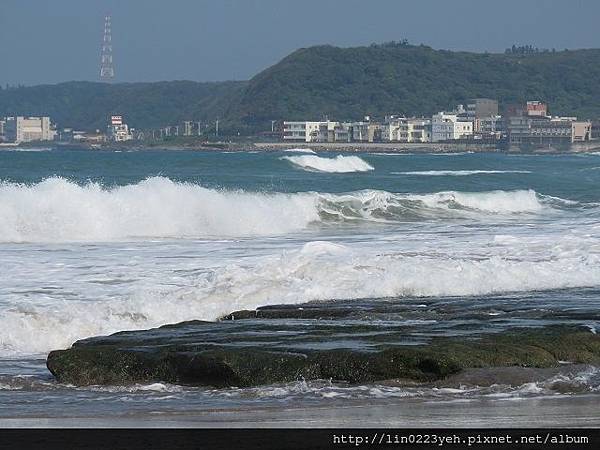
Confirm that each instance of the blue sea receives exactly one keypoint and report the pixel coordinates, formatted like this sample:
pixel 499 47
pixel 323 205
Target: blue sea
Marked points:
pixel 95 242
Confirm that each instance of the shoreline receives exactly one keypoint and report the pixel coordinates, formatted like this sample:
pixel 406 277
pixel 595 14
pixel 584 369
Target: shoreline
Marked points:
pixel 578 411
pixel 350 147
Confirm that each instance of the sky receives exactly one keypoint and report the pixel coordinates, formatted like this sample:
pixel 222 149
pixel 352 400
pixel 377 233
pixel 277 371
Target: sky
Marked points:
pixel 50 41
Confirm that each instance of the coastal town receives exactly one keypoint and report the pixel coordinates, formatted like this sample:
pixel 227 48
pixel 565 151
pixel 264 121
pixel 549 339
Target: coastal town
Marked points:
pixel 520 126
pixel 480 121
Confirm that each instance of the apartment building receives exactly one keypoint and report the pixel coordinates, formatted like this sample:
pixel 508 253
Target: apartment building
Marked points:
pixel 401 129
pixel 28 129
pixel 581 131
pixel 366 131
pixel 478 108
pixel 309 131
pixel 450 126
pixel 342 132
pixel 489 127
pixel 535 130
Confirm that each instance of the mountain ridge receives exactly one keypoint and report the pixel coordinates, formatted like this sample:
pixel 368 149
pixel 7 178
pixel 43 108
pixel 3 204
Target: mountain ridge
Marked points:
pixel 340 83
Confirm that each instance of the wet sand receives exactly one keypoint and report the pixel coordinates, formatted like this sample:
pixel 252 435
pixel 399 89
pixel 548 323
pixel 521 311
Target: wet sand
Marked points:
pixel 555 411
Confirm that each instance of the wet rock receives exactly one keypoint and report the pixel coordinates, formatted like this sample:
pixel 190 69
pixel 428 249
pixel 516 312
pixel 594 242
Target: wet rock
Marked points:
pixel 287 344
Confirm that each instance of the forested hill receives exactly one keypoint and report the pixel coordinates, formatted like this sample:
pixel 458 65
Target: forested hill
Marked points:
pixel 347 83
pixel 87 105
pixel 342 83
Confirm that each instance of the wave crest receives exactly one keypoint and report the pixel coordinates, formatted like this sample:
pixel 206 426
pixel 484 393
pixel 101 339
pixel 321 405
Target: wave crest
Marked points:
pixel 300 150
pixel 382 205
pixel 339 164
pixel 57 210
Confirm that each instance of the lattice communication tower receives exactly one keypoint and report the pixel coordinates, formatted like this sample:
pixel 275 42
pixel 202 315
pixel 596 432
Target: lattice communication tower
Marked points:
pixel 107 70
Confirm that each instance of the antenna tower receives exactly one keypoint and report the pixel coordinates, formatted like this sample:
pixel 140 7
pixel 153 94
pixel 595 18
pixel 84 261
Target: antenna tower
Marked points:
pixel 107 70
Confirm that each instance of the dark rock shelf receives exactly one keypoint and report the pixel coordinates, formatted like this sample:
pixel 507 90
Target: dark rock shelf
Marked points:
pixel 283 344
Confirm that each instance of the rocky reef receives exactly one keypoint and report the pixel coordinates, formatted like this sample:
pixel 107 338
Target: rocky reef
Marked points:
pixel 314 341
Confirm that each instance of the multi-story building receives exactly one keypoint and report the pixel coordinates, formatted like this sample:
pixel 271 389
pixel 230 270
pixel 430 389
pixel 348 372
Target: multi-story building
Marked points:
pixel 363 131
pixel 118 131
pixel 483 112
pixel 327 131
pixel 401 129
pixel 478 108
pixel 489 127
pixel 536 109
pixel 450 126
pixel 394 129
pixel 535 130
pixel 2 122
pixel 323 131
pixel 581 131
pixel 419 130
pixel 343 132
pixel 27 129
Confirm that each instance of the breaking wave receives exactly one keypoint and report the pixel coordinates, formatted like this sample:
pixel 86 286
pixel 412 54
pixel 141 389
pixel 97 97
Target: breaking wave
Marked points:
pixel 57 210
pixel 317 270
pixel 300 150
pixel 385 206
pixel 339 164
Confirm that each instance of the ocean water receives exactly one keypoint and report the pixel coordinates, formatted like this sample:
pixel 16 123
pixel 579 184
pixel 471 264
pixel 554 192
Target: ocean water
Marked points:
pixel 94 242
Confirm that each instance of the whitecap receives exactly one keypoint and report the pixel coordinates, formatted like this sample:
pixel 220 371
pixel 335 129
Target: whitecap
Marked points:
pixel 339 164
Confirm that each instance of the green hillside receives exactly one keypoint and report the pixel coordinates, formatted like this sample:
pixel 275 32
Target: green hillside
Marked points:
pixel 87 105
pixel 342 83
pixel 347 83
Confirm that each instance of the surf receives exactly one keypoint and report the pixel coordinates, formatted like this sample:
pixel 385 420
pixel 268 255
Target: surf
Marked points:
pixel 339 164
pixel 59 210
pixel 314 271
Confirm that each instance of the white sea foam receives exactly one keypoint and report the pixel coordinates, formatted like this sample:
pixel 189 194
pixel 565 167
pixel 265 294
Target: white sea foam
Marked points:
pixel 339 164
pixel 57 210
pixel 457 173
pixel 299 150
pixel 314 271
pixel 450 153
pixel 381 205
pixel 26 149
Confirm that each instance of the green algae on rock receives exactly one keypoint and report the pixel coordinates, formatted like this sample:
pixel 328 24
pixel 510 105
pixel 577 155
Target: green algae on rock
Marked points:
pixel 257 349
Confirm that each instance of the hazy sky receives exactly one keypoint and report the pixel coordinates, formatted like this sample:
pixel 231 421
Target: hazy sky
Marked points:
pixel 49 41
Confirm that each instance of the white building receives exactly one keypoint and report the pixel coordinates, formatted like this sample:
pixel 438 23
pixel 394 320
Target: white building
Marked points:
pixel 118 131
pixel 394 129
pixel 448 127
pixel 27 129
pixel 323 131
pixel 401 129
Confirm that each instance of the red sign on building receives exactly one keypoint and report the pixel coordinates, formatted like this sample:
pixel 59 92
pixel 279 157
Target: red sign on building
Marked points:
pixel 536 109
